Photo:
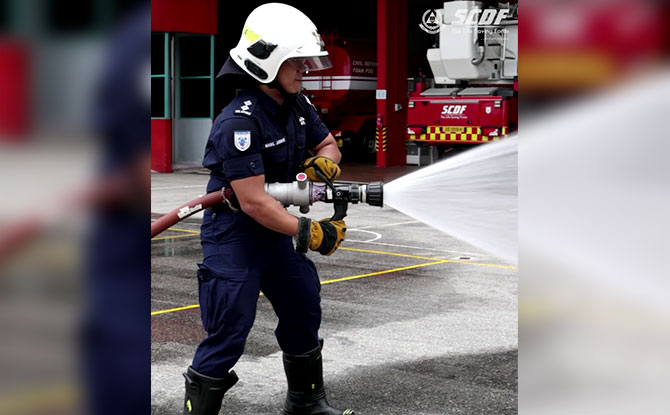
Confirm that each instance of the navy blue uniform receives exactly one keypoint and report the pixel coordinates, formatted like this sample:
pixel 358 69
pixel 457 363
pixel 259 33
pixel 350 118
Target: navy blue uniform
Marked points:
pixel 254 135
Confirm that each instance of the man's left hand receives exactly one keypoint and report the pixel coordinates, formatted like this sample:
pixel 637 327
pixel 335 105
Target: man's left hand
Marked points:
pixel 326 166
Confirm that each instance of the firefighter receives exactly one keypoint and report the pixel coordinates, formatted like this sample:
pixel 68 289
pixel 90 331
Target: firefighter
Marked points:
pixel 264 136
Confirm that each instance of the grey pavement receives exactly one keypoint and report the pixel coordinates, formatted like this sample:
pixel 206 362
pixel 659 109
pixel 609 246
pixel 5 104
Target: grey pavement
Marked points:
pixel 427 324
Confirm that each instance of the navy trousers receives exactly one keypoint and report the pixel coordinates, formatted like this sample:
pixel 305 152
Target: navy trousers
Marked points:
pixel 241 258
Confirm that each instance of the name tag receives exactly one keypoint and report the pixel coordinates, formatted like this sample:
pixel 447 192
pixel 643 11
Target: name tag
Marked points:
pixel 275 143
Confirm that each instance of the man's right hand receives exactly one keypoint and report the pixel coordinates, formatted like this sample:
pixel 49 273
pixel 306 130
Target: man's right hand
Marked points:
pixel 323 236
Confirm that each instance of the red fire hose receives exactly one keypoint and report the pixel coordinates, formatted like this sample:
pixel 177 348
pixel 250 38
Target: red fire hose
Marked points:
pixel 184 211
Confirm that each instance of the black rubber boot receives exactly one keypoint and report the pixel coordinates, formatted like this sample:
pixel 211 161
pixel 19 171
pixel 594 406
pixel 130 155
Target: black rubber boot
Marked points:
pixel 204 394
pixel 306 395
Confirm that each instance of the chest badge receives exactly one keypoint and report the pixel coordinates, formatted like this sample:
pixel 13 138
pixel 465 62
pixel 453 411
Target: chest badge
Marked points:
pixel 242 140
pixel 301 120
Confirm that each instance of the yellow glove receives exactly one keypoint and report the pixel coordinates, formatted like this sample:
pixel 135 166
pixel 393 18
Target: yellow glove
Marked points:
pixel 326 166
pixel 323 236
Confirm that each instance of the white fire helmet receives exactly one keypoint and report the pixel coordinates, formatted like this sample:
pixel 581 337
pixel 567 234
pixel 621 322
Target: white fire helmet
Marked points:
pixel 274 33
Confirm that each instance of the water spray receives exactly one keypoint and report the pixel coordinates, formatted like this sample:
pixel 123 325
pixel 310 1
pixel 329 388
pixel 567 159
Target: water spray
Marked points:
pixel 301 193
pixel 471 196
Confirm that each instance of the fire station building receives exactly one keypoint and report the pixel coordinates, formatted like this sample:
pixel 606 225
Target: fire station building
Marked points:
pixel 393 96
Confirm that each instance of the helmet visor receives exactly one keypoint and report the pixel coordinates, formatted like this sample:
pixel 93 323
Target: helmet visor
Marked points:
pixel 312 63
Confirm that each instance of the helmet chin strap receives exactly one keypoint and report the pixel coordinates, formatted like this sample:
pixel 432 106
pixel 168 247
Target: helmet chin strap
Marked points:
pixel 276 85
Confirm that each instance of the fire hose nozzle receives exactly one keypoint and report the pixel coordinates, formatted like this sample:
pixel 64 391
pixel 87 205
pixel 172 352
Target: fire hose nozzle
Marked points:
pixel 374 194
pixel 304 193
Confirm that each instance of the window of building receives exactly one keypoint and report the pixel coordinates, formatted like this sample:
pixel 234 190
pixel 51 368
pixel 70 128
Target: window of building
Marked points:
pixel 195 86
pixel 160 80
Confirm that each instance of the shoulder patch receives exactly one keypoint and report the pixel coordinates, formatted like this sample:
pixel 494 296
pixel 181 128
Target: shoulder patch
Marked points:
pixel 245 108
pixel 242 140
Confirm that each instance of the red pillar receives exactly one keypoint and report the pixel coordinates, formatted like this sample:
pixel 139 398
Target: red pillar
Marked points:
pixel 392 81
pixel 198 16
pixel 161 145
pixel 14 90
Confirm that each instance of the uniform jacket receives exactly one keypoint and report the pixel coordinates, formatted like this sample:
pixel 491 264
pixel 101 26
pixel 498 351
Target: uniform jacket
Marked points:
pixel 254 135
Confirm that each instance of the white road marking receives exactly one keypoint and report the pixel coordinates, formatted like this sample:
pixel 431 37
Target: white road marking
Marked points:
pixel 377 235
pixel 390 224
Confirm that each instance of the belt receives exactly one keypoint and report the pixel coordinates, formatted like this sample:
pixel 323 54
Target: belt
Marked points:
pixel 229 204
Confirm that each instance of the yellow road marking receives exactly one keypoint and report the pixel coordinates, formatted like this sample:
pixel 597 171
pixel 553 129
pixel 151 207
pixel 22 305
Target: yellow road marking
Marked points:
pixel 353 277
pixel 172 237
pixel 370 251
pixel 389 253
pixel 434 261
pixel 455 261
pixel 188 232
pixel 386 271
pixel 153 313
pixel 191 231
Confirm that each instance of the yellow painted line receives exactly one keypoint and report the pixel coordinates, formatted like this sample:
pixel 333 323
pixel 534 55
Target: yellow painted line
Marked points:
pixel 172 237
pixel 434 261
pixel 154 313
pixel 188 232
pixel 353 277
pixel 171 310
pixel 191 231
pixel 386 271
pixel 369 251
pixel 455 261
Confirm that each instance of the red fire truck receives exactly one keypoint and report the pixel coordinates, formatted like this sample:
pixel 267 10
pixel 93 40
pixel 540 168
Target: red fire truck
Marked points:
pixel 344 95
pixel 473 98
